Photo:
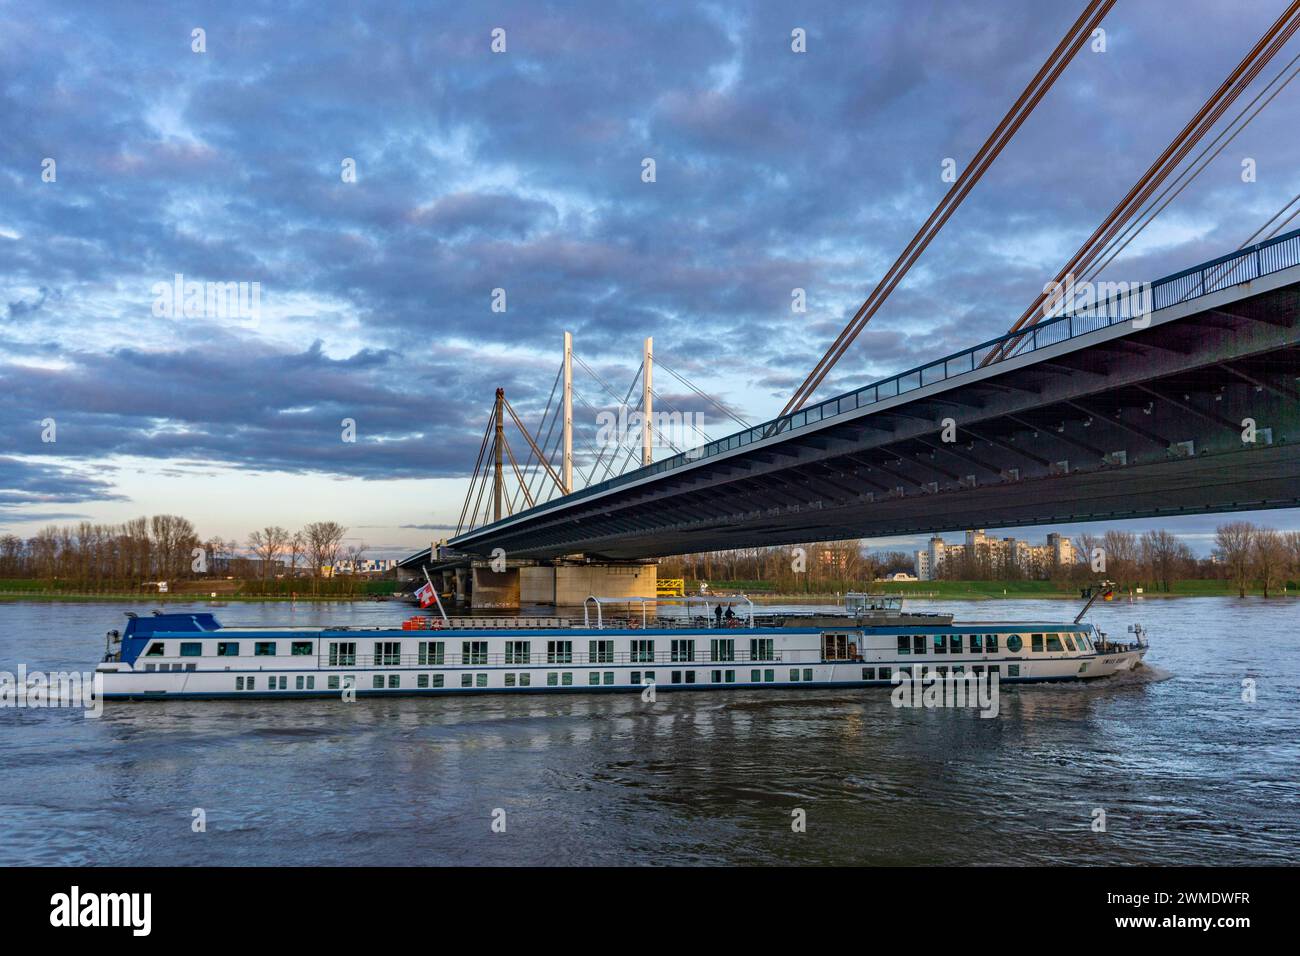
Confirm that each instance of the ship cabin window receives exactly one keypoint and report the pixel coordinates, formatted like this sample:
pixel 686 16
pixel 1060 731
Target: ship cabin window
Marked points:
pixel 1014 643
pixel 602 652
pixel 227 648
pixel 377 682
pixel 155 649
pixel 918 643
pixel 905 673
pixel 559 652
pixel 249 684
pixel 1013 670
pixel 476 652
pixel 1084 644
pixel 769 675
pixel 609 677
pixel 940 644
pixel 990 643
pixel 884 673
pixel 762 649
pixel 868 673
pixel 302 648
pixel 525 679
pixel 835 647
pixel 643 652
pixel 794 673
pixel 996 669
pixel 976 644
pixel 731 677
pixel 466 680
pixel 239 683
pixel 566 678
pixel 1054 643
pixel 593 677
pixel 264 648
pixel 422 680
pixel 191 649
pixel 552 678
pixel 683 651
pixel 388 653
pixel 722 649
pixel 954 643
pixel 343 654
pixel 904 644
pixel 438 679
pixel 807 673
pixel 394 681
pixel 431 652
pixel 1036 643
pixel 518 652
pixel 1069 641
pixel 333 682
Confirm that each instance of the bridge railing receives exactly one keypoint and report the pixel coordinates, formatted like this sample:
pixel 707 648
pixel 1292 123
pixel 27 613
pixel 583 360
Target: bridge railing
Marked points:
pixel 1126 304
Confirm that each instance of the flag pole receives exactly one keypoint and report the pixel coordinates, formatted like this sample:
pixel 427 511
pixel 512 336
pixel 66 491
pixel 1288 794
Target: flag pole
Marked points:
pixel 445 620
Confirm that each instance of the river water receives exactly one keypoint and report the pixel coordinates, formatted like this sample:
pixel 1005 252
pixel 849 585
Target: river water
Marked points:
pixel 1183 769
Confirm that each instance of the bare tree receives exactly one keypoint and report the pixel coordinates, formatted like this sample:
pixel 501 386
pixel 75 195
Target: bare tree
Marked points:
pixel 1234 544
pixel 324 539
pixel 268 544
pixel 1270 558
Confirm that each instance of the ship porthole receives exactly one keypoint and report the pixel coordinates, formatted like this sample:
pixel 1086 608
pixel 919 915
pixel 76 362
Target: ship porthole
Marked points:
pixel 1014 643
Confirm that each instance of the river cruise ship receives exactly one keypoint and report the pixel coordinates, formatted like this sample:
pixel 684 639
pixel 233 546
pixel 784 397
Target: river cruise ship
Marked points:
pixel 616 646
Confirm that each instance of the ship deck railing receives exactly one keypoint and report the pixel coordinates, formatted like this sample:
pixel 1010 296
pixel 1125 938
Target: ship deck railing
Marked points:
pixel 576 659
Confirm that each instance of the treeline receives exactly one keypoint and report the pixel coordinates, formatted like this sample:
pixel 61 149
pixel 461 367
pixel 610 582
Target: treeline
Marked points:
pixel 1245 554
pixel 140 552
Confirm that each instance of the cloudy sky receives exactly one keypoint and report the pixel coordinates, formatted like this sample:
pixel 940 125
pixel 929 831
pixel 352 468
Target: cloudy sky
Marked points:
pixel 522 171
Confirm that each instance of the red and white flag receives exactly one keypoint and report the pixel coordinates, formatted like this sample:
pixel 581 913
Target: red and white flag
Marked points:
pixel 425 595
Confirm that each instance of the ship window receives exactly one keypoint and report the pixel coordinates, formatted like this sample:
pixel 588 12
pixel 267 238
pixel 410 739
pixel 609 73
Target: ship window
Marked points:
pixel 762 649
pixel 717 677
pixel 1084 643
pixel 438 680
pixel 794 673
pixel 769 675
pixel 299 682
pixel 476 652
pixel 609 677
pixel 954 643
pixel 835 647
pixel 977 669
pixel 333 682
pixel 650 677
pixel 885 673
pixel 643 652
pixel 676 677
pixel 552 678
pixel 905 672
pixel 227 648
pixel 264 648
pixel 394 680
pixel 593 677
pixel 155 649
pixel 248 684
pixel 377 681
pixel 1013 670
pixel 755 676
pixel 421 680
pixel 722 649
pixel 311 682
pixel 284 683
pixel 525 679
pixel 602 652
pixel 518 652
pixel 976 644
pixel 239 683
pixel 1036 643
pixel 868 673
pixel 940 644
pixel 1054 642
pixel 941 670
pixel 636 677
pixel 191 667
pixel 191 649
pixel 466 680
pixel 731 677
pixel 904 644
pixel 480 680
pixel 566 678
pixel 388 653
pixel 991 644
pixel 918 643
pixel 1069 641
pixel 807 673
pixel 510 680
pixel 996 669
pixel 302 648
pixel 1014 643
pixel 683 651
pixel 559 652
pixel 690 677
pixel 958 669
pixel 343 654
pixel 431 652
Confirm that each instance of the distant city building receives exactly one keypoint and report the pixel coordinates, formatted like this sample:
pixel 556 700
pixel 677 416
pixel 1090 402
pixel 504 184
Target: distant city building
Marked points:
pixel 995 555
pixel 364 566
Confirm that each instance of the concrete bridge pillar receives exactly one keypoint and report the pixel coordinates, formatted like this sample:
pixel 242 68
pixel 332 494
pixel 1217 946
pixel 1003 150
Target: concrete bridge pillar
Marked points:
pixel 495 589
pixel 574 582
pixel 462 585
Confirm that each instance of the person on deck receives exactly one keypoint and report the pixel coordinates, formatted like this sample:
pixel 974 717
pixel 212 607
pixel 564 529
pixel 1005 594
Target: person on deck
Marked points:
pixel 717 614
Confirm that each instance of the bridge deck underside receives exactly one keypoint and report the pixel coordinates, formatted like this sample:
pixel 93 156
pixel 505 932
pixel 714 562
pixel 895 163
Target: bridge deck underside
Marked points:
pixel 1089 434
